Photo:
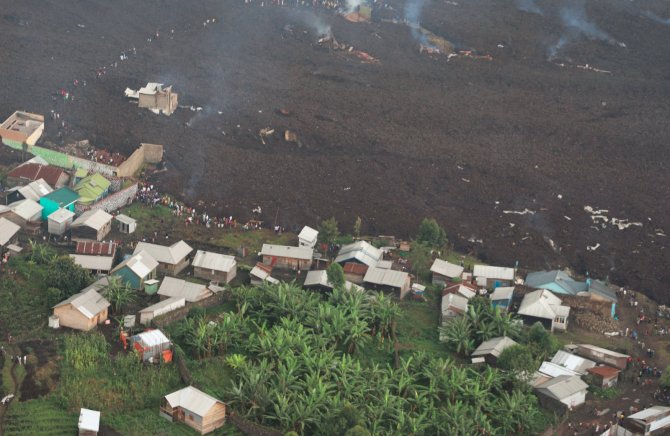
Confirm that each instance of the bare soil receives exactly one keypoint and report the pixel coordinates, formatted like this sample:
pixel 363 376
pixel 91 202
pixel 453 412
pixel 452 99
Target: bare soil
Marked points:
pixel 461 140
pixel 42 368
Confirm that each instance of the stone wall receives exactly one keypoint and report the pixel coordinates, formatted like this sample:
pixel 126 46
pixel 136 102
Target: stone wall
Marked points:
pixel 112 202
pixel 182 312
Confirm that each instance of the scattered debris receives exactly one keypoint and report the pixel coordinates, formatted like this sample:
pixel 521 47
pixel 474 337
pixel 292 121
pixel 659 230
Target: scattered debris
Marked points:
pixel 593 248
pixel 265 132
pixel 567 217
pixel 465 180
pixel 155 97
pixel 290 136
pixel 523 212
pixel 595 70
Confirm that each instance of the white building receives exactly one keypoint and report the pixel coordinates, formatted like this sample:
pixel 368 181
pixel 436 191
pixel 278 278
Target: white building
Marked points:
pixel 308 237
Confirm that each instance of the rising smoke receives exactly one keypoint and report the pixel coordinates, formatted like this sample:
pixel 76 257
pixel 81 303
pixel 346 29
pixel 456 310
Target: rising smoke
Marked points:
pixel 352 5
pixel 529 6
pixel 653 17
pixel 413 9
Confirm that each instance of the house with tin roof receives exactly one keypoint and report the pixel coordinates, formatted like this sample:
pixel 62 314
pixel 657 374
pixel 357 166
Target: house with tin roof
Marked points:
pixel 502 297
pixel 453 305
pixel 191 292
pixel 171 260
pixel 25 213
pixel 286 257
pixel 32 191
pixel 398 282
pixel 95 248
pixel 467 290
pixel 95 264
pixel 308 237
pixel 360 252
pixel 492 349
pixel 564 392
pixel 318 279
pixel 214 266
pixel 92 189
pixel 31 172
pixel 136 269
pixel 92 225
pixel 8 233
pixel 544 307
pixel 558 282
pixel 575 363
pixel 82 311
pixel 603 376
pixel 653 420
pixel 355 272
pixel 491 277
pixel 600 291
pixel 444 272
pixel 261 274
pixel 194 408
pixel 63 198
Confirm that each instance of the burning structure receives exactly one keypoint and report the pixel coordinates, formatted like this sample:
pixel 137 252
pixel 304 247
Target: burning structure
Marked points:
pixel 155 97
pixel 431 43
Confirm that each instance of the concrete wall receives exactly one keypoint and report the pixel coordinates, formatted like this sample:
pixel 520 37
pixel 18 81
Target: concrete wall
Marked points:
pixel 112 202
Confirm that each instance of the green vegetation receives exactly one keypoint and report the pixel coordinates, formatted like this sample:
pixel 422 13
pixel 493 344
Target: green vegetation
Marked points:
pixel 328 231
pixel 431 234
pixel 606 393
pixel 300 362
pixel 518 359
pixel 39 417
pixel 119 294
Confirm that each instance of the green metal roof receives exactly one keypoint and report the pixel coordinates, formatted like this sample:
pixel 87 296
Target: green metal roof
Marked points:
pixel 63 196
pixel 81 172
pixel 92 187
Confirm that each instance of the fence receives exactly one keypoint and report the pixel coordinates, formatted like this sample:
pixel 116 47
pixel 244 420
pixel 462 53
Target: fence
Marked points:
pixel 182 312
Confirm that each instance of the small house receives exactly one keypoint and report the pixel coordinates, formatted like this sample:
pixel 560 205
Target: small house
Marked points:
pixel 192 292
pixel 600 355
pixel 31 172
pixel 32 191
pixel 444 272
pixel 171 260
pixel 126 224
pixel 63 198
pixel 491 277
pixel 92 189
pixel 95 264
pixel 318 280
pixel 544 307
pixel 654 420
pixel 562 392
pixel 92 224
pixel 152 346
pixel 467 290
pixel 355 272
pixel 214 266
pixel 89 422
pixel 359 252
pixel 260 274
pixel 285 257
pixel 9 232
pixel 308 237
pixel 82 311
pixel 492 349
pixel 552 370
pixel 398 282
pixel 572 362
pixel 95 248
pixel 136 270
pixel 25 213
pixel 60 221
pixel 453 305
pixel 556 281
pixel 502 297
pixel 161 308
pixel 194 408
pixel 604 376
pixel 22 129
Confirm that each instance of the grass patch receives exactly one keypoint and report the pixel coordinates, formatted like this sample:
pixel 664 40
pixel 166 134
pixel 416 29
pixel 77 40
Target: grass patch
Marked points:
pixel 417 327
pixel 39 417
pixel 150 219
pixel 253 239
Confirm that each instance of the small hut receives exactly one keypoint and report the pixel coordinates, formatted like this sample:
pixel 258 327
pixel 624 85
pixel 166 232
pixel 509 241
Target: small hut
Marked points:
pixel 152 346
pixel 194 408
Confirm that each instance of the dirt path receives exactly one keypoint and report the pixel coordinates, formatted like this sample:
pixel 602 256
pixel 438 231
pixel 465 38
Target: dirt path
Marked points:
pixel 14 389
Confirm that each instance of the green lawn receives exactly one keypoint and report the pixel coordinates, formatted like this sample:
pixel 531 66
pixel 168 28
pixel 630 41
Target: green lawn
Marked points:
pixel 417 327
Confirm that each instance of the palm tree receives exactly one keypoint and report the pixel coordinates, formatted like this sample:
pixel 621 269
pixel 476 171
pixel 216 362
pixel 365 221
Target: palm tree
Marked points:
pixel 118 293
pixel 357 335
pixel 458 334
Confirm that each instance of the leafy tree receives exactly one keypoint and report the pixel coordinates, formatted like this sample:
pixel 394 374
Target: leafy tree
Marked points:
pixel 67 276
pixel 118 293
pixel 54 296
pixel 421 258
pixel 431 234
pixel 458 334
pixel 542 343
pixel 517 358
pixel 328 231
pixel 357 226
pixel 335 275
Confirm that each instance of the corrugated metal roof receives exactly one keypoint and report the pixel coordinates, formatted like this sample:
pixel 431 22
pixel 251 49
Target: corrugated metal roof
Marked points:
pixel 26 209
pixel 465 289
pixel 308 234
pixel 61 215
pixel 603 289
pixel 386 277
pixel 355 268
pixel 604 371
pixel 63 196
pixel 603 350
pixel 262 274
pixel 165 306
pixel 125 219
pixel 193 400
pixel 454 302
pixel 96 248
pixel 493 272
pixel 320 278
pixel 215 261
pixel 88 302
pixel 446 269
pixel 141 264
pixel 34 190
pixel 554 370
pixel 92 187
pixel 192 292
pixel 172 255
pixel 648 415
pixel 572 362
pixel 562 387
pixel 493 346
pixel 502 293
pixel 360 251
pixel 302 253
pixel 7 230
pixel 542 304
pixel 102 263
pixel 33 171
pixel 95 219
pixel 151 338
pixel 556 278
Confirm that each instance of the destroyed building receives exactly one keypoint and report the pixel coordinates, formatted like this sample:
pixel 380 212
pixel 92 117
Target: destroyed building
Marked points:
pixel 156 97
